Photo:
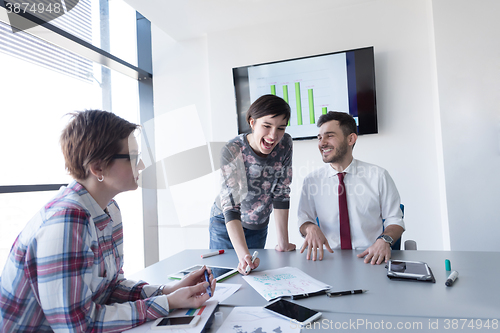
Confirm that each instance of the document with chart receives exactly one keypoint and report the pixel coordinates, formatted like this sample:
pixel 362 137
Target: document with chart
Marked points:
pixel 285 281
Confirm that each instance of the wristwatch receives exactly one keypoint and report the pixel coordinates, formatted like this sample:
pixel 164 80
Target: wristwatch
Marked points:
pixel 386 238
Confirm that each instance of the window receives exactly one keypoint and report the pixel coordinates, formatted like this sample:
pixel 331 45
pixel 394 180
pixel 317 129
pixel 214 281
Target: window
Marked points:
pixel 42 83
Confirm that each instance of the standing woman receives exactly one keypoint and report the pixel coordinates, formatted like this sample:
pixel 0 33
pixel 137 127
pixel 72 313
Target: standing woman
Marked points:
pixel 256 173
pixel 64 272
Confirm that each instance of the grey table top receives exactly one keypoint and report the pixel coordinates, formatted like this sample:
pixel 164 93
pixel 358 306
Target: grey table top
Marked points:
pixel 350 322
pixel 475 295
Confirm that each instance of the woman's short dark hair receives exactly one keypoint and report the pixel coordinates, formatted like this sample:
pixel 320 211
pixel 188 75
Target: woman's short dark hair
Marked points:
pixel 346 121
pixel 268 105
pixel 91 136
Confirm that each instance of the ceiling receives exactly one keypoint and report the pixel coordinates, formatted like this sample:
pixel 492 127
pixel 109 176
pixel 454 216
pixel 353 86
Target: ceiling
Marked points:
pixel 185 19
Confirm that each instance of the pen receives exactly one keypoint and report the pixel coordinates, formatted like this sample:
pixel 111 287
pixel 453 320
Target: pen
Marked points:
pixel 347 292
pixel 211 254
pixel 209 290
pixel 451 279
pixel 321 292
pixel 254 256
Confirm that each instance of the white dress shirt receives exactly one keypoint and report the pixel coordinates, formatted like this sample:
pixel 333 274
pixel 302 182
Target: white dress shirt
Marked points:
pixel 371 197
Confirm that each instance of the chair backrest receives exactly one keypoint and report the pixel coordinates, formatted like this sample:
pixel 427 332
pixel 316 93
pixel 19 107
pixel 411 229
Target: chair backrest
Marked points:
pixel 396 245
pixel 410 245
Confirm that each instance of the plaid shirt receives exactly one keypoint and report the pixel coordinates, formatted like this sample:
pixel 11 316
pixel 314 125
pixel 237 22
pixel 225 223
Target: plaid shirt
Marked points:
pixel 64 272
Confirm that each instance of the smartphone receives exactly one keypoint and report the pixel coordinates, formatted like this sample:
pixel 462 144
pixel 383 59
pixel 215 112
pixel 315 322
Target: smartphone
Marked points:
pixel 175 322
pixel 293 311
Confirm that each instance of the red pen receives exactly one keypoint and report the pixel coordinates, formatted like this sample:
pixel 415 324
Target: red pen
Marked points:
pixel 212 254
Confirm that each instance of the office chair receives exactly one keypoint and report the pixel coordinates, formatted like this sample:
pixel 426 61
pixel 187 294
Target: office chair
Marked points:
pixel 410 245
pixel 396 245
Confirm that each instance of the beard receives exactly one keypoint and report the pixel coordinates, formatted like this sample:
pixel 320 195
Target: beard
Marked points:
pixel 340 153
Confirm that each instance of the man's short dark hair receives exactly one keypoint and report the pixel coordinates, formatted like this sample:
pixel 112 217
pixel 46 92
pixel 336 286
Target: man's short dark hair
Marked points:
pixel 346 121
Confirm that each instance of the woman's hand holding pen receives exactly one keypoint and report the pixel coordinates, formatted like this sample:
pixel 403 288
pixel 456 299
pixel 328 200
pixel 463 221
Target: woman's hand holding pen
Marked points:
pixel 191 291
pixel 193 278
pixel 247 261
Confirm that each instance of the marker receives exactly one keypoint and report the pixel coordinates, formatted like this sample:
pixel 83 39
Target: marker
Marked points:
pixel 254 256
pixel 211 254
pixel 344 293
pixel 451 279
pixel 209 290
pixel 447 265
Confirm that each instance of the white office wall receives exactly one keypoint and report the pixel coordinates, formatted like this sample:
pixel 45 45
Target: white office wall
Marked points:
pixel 401 33
pixel 180 80
pixel 199 72
pixel 468 62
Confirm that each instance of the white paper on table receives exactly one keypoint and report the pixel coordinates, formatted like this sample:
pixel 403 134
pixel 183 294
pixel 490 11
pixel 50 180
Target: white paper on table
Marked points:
pixel 224 290
pixel 284 281
pixel 256 319
pixel 206 311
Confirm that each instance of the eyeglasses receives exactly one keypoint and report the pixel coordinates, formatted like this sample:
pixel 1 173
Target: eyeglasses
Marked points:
pixel 134 158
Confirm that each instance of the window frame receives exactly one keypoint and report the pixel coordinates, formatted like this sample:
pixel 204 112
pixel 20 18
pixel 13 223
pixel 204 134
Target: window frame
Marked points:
pixel 142 73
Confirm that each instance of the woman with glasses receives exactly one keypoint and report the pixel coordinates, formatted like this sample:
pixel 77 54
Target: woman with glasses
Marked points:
pixel 64 272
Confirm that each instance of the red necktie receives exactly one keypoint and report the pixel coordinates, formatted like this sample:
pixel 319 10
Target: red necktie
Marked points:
pixel 345 230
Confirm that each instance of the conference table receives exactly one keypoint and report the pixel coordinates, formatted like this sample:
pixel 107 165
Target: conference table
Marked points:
pixel 471 304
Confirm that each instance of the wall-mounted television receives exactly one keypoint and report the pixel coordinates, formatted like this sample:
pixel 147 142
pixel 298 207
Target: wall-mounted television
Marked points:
pixel 339 81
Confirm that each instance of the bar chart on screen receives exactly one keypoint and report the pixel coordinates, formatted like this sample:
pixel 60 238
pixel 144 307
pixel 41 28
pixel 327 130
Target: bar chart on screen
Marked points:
pixel 321 87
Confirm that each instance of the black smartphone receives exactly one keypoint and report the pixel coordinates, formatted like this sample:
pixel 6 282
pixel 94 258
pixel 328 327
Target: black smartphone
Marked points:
pixel 293 311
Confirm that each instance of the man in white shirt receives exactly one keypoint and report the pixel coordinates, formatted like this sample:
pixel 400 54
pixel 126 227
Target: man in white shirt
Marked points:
pixel 375 220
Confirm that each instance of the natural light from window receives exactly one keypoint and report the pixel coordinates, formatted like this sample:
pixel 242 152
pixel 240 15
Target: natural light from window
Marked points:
pixel 35 99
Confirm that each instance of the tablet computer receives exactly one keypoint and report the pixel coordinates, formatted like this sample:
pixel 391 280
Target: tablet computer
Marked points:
pixel 405 269
pixel 219 273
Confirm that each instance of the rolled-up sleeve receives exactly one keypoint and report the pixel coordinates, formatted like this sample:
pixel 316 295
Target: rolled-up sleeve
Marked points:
pixel 307 210
pixel 390 202
pixel 281 191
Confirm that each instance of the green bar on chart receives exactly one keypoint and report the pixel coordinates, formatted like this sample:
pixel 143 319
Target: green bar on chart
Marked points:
pixel 273 89
pixel 285 93
pixel 285 97
pixel 299 103
pixel 324 110
pixel 312 120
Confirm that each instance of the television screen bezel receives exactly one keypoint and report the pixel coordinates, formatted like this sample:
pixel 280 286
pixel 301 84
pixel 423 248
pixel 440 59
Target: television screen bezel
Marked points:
pixel 365 90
